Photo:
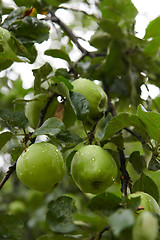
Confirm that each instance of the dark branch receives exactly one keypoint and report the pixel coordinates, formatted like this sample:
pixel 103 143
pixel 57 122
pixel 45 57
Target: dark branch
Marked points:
pixel 11 169
pixel 77 10
pixel 125 179
pixel 135 135
pixel 55 19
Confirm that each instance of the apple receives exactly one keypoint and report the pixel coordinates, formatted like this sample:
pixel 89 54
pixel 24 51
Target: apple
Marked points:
pixel 33 109
pixel 41 167
pixel 95 95
pixel 93 169
pixel 147 202
pixel 145 227
pixel 17 208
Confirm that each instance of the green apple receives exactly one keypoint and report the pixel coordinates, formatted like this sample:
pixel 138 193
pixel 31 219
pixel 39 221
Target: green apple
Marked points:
pixel 41 167
pixel 147 202
pixel 145 227
pixel 93 169
pixel 33 109
pixel 17 208
pixel 95 95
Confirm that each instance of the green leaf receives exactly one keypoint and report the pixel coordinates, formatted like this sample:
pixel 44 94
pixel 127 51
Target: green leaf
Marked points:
pixel 96 222
pixel 123 9
pixel 121 220
pixel 101 127
pixel 152 47
pixel 59 79
pixel 41 74
pixel 56 53
pixel 132 203
pixel 13 16
pixel 121 121
pixel 111 27
pixel 67 137
pixel 27 3
pixel 137 161
pixel 51 126
pixel 30 29
pixel 7 47
pixel 153 29
pixel 104 202
pixel 80 105
pixel 14 119
pixel 114 55
pixel 4 138
pixel 63 72
pixel 59 215
pixel 16 152
pixel 152 122
pixel 10 227
pixel 61 89
pixel 146 184
pixel 100 39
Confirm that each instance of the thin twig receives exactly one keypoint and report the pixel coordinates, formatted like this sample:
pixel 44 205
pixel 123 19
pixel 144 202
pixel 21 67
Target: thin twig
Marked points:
pixel 78 10
pixel 135 135
pixel 104 230
pixel 55 19
pixel 11 169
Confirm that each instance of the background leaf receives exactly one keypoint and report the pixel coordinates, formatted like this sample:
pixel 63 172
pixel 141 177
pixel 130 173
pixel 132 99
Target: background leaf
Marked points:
pixel 59 215
pixel 10 227
pixel 120 220
pixel 4 138
pixel 146 184
pixel 152 122
pixel 14 119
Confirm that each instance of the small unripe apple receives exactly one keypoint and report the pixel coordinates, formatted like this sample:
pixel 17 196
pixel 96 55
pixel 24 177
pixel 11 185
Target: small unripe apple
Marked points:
pixel 145 227
pixel 33 109
pixel 147 202
pixel 41 167
pixel 95 95
pixel 93 169
pixel 17 208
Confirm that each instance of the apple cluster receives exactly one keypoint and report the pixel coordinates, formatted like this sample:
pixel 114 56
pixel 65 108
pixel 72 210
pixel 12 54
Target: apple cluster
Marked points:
pixel 42 166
